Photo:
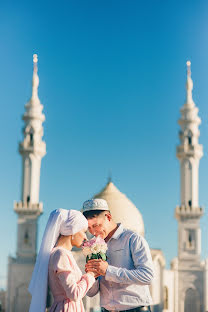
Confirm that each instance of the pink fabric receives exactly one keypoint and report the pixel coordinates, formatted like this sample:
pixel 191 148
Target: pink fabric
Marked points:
pixel 66 282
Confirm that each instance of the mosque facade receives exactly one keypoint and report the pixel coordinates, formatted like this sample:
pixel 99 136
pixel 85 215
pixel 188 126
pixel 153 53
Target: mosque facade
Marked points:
pixel 183 287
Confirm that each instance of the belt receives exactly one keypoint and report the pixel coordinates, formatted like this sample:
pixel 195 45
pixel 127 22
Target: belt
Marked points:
pixel 138 309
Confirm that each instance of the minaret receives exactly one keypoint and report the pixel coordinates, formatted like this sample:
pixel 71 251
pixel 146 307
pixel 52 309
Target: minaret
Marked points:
pixel 28 209
pixel 32 149
pixel 189 271
pixel 189 153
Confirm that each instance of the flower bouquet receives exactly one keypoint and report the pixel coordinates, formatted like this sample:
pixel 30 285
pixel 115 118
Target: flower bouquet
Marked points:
pixel 95 248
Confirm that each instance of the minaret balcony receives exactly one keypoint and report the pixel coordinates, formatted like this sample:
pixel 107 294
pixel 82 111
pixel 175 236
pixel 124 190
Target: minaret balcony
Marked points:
pixel 37 115
pixel 188 211
pixel 184 151
pixel 189 117
pixel 36 148
pixel 27 208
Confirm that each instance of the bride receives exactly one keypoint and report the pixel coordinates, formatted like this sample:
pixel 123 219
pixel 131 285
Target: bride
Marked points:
pixel 56 266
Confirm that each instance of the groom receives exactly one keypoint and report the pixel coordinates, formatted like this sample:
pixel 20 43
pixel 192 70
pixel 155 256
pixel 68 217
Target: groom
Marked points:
pixel 124 278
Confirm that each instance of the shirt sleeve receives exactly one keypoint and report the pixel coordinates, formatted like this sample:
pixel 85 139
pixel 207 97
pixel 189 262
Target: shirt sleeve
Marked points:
pixel 143 273
pixel 75 290
pixel 94 289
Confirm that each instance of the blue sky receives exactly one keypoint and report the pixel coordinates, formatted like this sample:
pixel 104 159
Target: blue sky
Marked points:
pixel 112 81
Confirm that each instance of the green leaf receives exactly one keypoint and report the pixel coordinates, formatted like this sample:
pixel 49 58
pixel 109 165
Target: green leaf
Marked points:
pixel 103 256
pixel 99 255
pixel 94 256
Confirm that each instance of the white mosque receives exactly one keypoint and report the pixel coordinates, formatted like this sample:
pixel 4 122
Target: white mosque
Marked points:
pixel 182 288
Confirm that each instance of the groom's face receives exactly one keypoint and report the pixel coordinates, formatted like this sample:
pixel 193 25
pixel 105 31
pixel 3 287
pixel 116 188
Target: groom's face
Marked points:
pixel 99 225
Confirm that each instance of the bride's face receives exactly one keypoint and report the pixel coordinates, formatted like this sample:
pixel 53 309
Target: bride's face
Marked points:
pixel 78 238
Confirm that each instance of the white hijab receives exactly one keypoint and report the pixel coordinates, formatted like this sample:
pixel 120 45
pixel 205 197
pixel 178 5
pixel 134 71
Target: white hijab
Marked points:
pixel 61 221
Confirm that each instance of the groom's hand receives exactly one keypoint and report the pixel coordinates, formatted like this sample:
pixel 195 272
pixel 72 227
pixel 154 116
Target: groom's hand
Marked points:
pixel 97 265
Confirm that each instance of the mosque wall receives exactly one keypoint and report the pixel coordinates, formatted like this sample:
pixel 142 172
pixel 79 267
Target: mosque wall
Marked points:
pixel 19 275
pixel 191 290
pixel 206 286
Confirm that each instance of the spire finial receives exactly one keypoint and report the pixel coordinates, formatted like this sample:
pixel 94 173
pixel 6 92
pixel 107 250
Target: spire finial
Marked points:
pixel 188 63
pixel 35 80
pixel 109 176
pixel 35 58
pixel 35 62
pixel 189 85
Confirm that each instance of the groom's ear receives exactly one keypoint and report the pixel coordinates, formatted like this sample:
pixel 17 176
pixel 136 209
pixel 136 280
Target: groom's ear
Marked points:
pixel 108 215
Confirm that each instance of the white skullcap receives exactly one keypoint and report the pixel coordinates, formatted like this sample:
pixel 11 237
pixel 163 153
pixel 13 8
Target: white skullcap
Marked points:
pixel 95 204
pixel 61 221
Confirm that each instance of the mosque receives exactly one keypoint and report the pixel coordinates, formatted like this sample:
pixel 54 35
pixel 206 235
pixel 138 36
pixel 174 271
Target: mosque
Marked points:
pixel 183 287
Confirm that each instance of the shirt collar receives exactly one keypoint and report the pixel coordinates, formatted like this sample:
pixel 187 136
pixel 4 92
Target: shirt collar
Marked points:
pixel 118 232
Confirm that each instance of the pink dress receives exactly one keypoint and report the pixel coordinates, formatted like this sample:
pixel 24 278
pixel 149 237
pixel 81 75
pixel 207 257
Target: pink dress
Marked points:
pixel 66 282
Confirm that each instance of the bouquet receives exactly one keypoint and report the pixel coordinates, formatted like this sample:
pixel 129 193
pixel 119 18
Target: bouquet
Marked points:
pixel 95 248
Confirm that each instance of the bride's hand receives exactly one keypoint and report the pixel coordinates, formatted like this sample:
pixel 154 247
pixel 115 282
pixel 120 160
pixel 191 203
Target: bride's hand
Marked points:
pixel 92 272
pixel 97 265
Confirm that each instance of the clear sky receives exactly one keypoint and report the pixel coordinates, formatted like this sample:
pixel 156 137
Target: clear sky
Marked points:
pixel 112 81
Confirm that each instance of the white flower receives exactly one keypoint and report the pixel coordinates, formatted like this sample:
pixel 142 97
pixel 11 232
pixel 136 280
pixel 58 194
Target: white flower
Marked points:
pixel 87 251
pixel 103 248
pixel 95 248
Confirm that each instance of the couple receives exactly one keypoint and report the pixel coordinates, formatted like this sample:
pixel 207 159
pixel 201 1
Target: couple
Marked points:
pixel 122 280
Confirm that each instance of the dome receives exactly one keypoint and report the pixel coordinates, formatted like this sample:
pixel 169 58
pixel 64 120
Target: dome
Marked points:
pixel 122 209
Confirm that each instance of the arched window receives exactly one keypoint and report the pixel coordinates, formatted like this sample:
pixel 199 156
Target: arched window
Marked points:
pixel 31 138
pixel 190 239
pixel 186 173
pixel 27 175
pixel 192 301
pixel 26 237
pixel 166 303
pixel 189 138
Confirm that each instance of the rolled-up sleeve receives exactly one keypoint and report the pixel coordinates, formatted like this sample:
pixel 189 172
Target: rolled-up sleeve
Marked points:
pixel 142 274
pixel 94 289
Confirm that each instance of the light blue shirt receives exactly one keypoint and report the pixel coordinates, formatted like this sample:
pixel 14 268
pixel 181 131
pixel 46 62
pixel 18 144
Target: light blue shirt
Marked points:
pixel 130 271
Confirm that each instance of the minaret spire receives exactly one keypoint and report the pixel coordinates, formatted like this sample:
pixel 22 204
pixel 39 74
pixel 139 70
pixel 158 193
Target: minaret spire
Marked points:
pixel 189 86
pixel 34 107
pixel 35 80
